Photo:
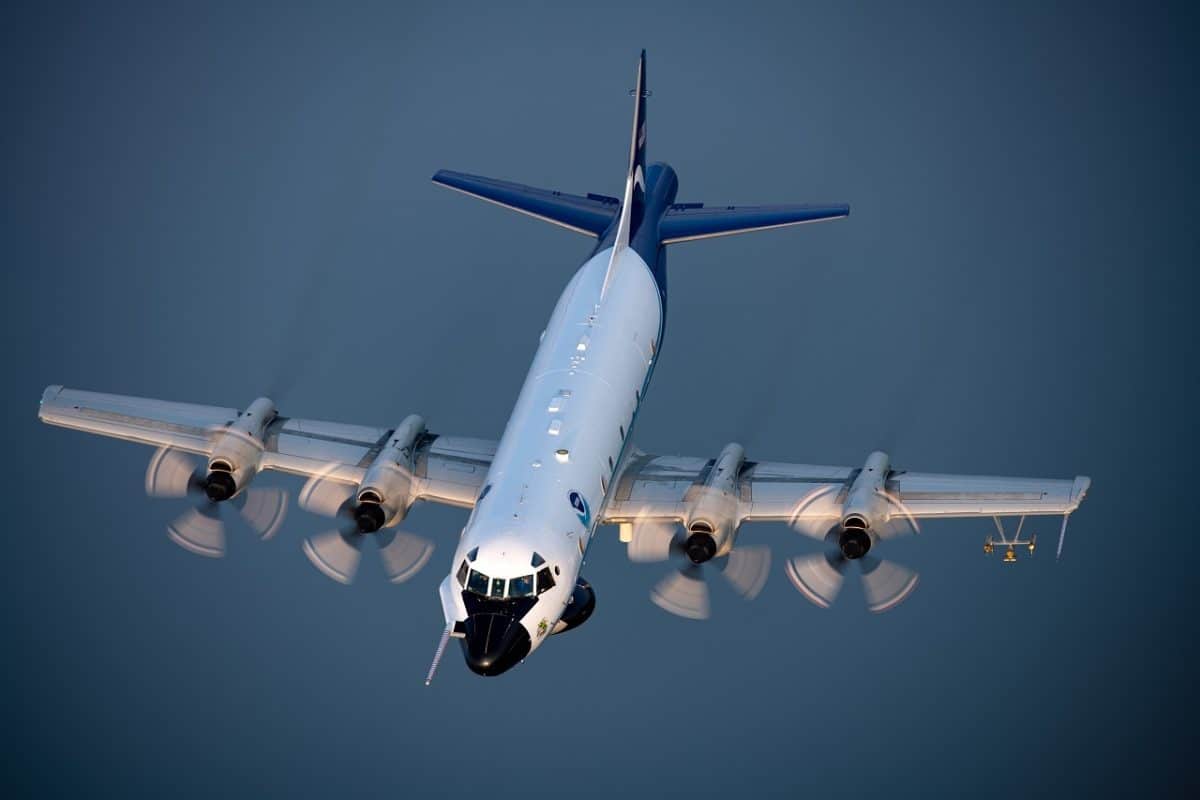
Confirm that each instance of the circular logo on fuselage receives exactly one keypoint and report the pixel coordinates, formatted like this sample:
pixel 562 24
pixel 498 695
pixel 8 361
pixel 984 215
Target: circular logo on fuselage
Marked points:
pixel 580 504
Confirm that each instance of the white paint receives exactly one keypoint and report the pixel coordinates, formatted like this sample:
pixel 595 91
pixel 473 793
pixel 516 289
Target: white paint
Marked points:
pixel 528 509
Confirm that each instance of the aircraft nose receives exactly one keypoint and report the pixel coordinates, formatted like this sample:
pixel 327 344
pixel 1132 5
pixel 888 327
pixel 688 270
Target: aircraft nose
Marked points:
pixel 494 643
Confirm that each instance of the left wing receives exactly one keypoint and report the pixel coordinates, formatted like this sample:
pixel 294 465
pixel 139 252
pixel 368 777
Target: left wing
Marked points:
pixel 446 469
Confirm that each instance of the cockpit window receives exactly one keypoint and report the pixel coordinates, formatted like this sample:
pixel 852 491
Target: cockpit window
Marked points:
pixel 521 587
pixel 478 583
pixel 537 560
pixel 524 586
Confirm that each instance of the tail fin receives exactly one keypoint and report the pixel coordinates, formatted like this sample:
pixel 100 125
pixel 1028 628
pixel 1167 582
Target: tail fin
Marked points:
pixel 633 206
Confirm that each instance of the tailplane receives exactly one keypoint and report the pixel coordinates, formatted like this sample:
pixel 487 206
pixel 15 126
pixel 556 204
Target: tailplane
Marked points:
pixel 595 214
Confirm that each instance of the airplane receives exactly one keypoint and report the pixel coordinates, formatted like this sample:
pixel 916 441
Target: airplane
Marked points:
pixel 565 463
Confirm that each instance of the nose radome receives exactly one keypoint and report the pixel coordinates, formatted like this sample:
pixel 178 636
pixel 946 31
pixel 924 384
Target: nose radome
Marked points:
pixel 493 643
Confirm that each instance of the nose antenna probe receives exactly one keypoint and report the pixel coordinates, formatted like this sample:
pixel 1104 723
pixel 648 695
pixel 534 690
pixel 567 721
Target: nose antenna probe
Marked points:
pixel 437 654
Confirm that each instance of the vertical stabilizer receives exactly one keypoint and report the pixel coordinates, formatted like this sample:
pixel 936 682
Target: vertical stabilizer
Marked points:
pixel 633 204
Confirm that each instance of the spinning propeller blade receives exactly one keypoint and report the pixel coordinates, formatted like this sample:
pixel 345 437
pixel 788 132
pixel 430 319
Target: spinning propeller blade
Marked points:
pixel 819 577
pixel 337 553
pixel 684 591
pixel 201 529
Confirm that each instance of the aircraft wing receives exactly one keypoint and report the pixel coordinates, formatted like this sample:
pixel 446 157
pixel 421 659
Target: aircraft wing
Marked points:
pixel 657 488
pixel 448 469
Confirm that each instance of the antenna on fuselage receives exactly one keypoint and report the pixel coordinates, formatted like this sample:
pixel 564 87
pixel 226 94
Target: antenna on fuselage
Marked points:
pixel 437 655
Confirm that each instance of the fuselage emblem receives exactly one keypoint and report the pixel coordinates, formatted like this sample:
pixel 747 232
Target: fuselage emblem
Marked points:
pixel 581 509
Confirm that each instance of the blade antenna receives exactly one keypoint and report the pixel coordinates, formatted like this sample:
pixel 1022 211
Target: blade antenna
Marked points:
pixel 437 654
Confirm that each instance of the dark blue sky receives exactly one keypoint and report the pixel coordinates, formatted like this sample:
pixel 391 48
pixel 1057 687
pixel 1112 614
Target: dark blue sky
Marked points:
pixel 206 203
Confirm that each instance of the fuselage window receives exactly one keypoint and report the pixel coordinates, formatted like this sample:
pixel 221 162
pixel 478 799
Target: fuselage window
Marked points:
pixel 478 583
pixel 483 494
pixel 521 587
pixel 497 587
pixel 462 574
pixel 545 581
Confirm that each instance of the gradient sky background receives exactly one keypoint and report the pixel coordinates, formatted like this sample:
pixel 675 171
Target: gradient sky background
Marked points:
pixel 206 203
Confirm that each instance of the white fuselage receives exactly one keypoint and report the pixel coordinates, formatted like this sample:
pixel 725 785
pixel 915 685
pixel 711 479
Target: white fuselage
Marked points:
pixel 567 434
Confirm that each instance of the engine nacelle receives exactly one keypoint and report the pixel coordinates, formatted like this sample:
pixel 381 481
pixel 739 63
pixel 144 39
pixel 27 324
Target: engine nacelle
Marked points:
pixel 713 520
pixel 385 494
pixel 866 506
pixel 237 451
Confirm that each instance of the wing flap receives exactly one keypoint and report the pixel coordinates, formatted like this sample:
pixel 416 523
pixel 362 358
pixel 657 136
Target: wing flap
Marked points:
pixel 451 469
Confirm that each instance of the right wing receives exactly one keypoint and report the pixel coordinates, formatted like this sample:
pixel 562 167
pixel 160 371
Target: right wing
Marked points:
pixel 447 469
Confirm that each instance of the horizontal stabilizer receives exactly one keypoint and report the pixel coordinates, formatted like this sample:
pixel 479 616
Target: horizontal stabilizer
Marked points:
pixel 591 214
pixel 687 221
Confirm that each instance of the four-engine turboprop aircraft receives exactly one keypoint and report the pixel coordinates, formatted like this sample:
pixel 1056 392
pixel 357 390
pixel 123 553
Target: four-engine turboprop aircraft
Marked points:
pixel 564 463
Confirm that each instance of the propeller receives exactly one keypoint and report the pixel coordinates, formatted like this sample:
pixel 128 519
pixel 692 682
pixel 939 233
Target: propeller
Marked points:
pixel 820 576
pixel 684 592
pixel 201 529
pixel 338 552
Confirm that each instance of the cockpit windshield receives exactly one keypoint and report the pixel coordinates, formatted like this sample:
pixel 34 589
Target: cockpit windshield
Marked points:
pixel 521 587
pixel 476 582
